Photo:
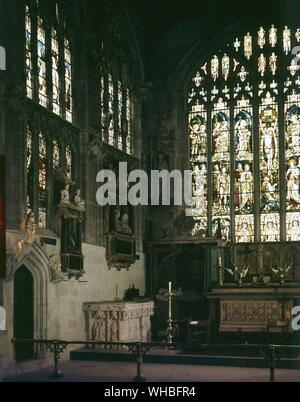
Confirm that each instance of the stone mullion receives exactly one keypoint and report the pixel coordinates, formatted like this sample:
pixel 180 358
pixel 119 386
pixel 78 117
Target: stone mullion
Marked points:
pixel 209 169
pixel 116 112
pixel 124 127
pixel 232 170
pixel 256 164
pixel 50 178
pixel 282 168
pixel 63 145
pixel 106 106
pixel 35 159
pixel 97 119
pixel 24 162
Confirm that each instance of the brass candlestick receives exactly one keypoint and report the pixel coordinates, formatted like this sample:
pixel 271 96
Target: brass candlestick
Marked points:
pixel 220 272
pixel 170 320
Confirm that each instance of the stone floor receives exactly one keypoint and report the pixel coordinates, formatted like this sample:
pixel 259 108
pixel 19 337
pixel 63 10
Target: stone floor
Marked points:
pixel 125 372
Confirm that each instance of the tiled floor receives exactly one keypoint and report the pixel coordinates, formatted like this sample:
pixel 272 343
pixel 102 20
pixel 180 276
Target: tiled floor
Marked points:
pixel 125 372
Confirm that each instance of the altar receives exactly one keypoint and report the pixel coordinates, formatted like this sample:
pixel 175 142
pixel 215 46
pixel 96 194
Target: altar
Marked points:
pixel 250 309
pixel 118 321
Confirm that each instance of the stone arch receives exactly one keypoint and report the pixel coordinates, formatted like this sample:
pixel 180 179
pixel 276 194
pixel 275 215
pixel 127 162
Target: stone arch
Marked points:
pixel 168 258
pixel 163 267
pixel 36 260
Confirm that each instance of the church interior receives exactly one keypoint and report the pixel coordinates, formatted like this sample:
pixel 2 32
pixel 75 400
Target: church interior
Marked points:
pixel 206 87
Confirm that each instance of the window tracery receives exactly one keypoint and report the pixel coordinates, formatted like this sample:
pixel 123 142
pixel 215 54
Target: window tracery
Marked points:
pixel 237 126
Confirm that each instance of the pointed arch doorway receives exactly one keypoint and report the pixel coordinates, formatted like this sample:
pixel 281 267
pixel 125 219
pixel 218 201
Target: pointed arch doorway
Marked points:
pixel 23 312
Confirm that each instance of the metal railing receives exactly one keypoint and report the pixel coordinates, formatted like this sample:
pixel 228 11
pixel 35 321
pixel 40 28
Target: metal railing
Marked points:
pixel 270 353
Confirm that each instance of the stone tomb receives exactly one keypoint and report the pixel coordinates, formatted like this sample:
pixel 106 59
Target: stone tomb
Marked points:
pixel 118 321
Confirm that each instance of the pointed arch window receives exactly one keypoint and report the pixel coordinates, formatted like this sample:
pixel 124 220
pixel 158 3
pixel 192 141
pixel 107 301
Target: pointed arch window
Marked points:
pixel 44 157
pixel 244 141
pixel 48 61
pixel 116 113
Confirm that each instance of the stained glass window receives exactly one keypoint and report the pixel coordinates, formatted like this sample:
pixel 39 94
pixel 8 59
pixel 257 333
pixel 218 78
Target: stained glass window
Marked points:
pixel 42 182
pixel 68 82
pixel 221 170
pixel 246 183
pixel 51 57
pixel 56 155
pixel 129 111
pixel 42 71
pixel 243 175
pixel 120 114
pixel 102 106
pixel 117 111
pixel 69 161
pixel 269 168
pixel 198 156
pixel 28 51
pixel 55 73
pixel 111 99
pixel 29 170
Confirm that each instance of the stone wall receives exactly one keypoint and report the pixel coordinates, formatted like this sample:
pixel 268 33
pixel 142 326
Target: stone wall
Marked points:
pixel 63 314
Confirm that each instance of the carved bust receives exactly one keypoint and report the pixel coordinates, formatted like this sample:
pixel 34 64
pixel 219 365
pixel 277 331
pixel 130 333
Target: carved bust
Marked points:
pixel 30 228
pixel 65 195
pixel 78 201
pixel 122 223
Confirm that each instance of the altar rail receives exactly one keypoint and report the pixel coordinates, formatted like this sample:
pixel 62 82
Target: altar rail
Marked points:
pixel 271 353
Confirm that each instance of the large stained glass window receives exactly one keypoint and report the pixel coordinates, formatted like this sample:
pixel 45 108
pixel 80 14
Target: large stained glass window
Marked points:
pixel 244 138
pixel 116 105
pixel 45 156
pixel 48 62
